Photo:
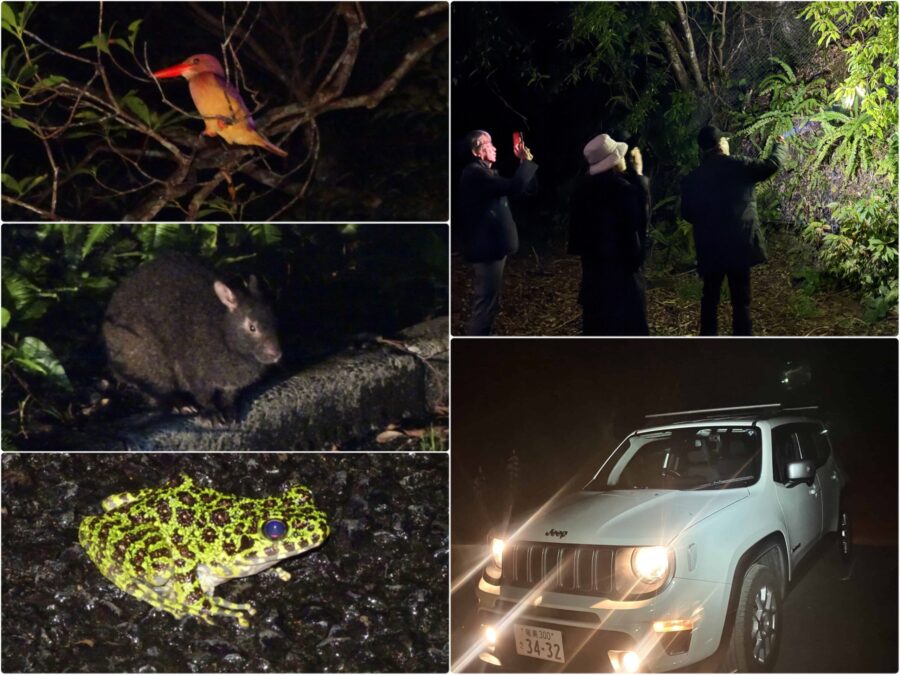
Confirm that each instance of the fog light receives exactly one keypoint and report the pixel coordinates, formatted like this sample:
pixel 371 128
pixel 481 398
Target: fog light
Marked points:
pixel 490 635
pixel 624 662
pixel 673 626
pixel 490 658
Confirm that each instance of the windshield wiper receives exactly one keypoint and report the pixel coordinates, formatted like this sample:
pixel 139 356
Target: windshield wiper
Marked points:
pixel 723 482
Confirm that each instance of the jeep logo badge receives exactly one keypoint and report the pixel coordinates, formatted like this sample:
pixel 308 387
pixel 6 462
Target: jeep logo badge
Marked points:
pixel 556 533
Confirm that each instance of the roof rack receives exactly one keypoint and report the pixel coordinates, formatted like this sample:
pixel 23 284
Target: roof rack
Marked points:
pixel 745 408
pixel 758 412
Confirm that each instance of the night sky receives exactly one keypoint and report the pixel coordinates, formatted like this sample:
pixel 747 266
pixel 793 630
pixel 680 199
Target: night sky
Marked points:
pixel 563 405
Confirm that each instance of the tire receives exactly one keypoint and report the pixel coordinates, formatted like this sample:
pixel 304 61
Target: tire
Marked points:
pixel 845 535
pixel 756 636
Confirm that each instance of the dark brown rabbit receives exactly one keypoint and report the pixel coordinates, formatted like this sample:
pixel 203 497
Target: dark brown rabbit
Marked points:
pixel 174 328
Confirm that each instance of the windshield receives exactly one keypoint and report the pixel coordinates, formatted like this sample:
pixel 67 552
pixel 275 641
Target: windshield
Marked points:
pixel 697 458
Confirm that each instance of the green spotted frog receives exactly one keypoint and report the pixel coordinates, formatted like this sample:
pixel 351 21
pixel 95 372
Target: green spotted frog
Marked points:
pixel 171 546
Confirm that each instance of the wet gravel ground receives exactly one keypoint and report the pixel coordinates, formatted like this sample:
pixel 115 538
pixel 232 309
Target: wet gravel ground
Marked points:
pixel 373 598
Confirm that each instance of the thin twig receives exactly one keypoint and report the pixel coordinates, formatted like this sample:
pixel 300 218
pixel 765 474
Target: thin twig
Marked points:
pixel 47 215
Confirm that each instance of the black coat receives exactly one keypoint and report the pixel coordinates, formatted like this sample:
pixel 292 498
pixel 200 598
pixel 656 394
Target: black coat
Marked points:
pixel 489 231
pixel 609 219
pixel 608 229
pixel 718 199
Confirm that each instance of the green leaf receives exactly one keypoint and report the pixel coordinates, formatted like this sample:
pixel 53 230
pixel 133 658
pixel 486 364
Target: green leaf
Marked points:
pixel 10 20
pixel 28 183
pixel 137 106
pixel 133 31
pixel 52 81
pixel 4 317
pixel 99 41
pixel 97 233
pixel 27 72
pixel 21 123
pixel 11 183
pixel 39 357
pixel 20 289
pixel 265 234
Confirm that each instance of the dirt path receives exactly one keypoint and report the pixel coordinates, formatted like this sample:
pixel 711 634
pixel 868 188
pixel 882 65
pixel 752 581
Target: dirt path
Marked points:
pixel 539 298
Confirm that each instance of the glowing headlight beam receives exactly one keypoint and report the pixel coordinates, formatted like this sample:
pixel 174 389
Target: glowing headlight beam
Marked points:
pixel 497 546
pixel 650 563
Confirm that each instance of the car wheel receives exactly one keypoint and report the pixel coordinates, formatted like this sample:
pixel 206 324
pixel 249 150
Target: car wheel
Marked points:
pixel 845 535
pixel 757 623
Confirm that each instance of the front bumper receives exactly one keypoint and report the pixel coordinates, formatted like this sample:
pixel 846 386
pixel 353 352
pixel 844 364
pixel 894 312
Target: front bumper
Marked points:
pixel 591 627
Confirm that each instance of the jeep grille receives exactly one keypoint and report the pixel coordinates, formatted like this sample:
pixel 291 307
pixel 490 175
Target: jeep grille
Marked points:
pixel 565 568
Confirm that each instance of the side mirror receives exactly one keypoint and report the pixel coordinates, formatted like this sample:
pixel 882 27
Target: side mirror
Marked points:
pixel 800 472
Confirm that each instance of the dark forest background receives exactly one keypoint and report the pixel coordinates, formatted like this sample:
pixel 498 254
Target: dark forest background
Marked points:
pixel 356 93
pixel 652 74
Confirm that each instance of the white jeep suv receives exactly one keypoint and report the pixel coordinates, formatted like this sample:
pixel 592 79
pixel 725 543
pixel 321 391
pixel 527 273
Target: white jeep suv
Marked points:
pixel 685 540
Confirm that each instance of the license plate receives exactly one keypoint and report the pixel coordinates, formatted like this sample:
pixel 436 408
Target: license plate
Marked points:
pixel 539 643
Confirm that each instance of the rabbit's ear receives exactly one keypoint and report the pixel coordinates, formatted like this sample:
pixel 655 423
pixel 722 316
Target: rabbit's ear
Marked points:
pixel 226 296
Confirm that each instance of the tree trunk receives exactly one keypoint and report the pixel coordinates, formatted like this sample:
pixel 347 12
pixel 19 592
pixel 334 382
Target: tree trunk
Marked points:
pixel 689 39
pixel 671 42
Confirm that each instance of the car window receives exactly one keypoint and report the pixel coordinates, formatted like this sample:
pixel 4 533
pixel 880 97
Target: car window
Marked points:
pixel 785 449
pixel 683 459
pixel 820 443
pixel 810 439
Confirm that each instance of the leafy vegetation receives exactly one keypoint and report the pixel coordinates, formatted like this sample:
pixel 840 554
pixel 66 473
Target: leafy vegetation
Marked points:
pixel 845 149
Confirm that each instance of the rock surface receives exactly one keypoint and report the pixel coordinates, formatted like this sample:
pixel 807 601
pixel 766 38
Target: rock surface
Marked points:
pixel 322 407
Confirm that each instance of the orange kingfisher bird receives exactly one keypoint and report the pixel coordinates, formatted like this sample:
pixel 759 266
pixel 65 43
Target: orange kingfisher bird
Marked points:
pixel 219 102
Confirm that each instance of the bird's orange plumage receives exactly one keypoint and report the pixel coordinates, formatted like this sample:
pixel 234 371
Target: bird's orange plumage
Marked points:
pixel 220 104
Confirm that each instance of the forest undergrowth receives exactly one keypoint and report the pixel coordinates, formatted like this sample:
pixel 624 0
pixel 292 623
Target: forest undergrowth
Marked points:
pixel 540 297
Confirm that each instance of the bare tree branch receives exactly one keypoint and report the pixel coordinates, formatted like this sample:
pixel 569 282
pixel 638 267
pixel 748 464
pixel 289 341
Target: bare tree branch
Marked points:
pixel 45 215
pixel 377 95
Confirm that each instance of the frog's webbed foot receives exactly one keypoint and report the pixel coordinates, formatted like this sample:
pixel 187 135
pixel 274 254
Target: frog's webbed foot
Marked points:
pixel 236 610
pixel 121 499
pixel 159 596
pixel 284 575
pixel 192 600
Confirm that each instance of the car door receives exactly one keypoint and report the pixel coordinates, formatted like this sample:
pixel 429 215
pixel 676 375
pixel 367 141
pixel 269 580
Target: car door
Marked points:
pixel 814 445
pixel 801 505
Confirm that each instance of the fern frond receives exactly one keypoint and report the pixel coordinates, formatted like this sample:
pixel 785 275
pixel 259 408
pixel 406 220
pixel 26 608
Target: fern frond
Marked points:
pixel 96 234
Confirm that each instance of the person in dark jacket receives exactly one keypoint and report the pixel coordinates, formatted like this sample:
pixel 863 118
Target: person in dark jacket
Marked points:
pixel 718 199
pixel 608 229
pixel 489 231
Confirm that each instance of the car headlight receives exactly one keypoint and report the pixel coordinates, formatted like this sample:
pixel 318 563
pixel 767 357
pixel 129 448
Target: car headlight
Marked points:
pixel 650 563
pixel 497 552
pixel 642 571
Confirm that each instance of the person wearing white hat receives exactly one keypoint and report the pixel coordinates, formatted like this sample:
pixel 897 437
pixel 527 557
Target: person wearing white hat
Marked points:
pixel 608 226
pixel 488 230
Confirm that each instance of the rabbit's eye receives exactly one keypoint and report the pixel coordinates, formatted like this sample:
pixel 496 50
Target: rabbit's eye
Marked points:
pixel 252 327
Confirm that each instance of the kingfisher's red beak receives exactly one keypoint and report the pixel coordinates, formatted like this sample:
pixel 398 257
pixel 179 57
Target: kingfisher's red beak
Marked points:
pixel 174 71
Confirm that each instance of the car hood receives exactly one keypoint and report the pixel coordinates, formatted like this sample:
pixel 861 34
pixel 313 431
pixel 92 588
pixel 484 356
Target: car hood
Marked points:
pixel 625 517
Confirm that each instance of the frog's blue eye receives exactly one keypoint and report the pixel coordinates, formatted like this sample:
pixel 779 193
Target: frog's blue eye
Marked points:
pixel 274 529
